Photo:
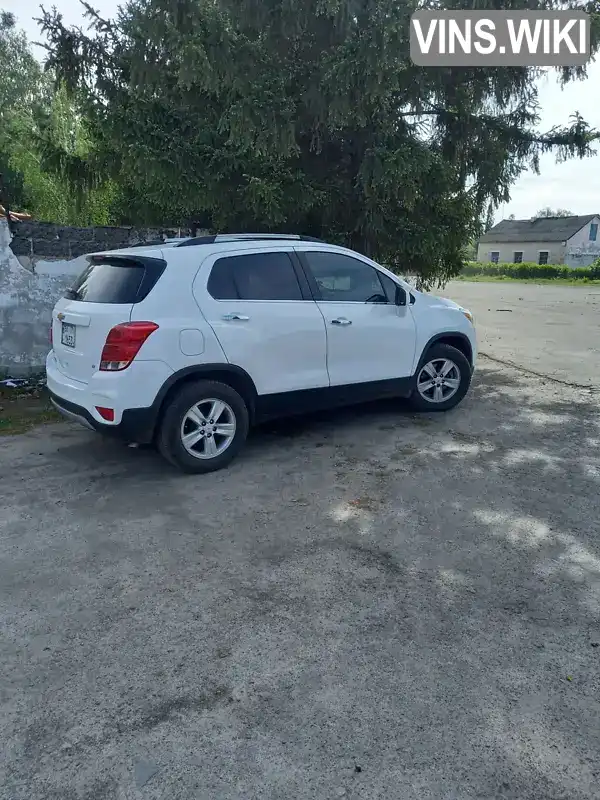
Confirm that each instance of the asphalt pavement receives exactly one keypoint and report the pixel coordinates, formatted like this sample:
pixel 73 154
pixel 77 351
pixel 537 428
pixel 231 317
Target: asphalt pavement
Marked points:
pixel 368 604
pixel 550 330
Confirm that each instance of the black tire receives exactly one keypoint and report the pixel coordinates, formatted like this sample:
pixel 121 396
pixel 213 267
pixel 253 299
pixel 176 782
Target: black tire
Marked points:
pixel 442 352
pixel 169 439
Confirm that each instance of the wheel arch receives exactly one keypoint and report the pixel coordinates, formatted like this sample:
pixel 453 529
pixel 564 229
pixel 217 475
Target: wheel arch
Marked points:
pixel 453 338
pixel 233 376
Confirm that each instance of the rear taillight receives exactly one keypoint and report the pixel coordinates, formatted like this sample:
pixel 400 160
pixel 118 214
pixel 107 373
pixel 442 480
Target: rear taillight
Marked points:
pixel 123 343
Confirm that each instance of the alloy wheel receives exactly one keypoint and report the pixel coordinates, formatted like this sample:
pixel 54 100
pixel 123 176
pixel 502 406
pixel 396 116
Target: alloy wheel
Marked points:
pixel 438 380
pixel 208 428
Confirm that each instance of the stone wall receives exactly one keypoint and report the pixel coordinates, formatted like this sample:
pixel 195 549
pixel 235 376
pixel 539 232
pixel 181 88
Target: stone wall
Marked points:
pixel 33 242
pixel 38 261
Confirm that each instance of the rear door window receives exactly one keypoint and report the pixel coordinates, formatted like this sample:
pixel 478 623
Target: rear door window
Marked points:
pixel 118 281
pixel 254 276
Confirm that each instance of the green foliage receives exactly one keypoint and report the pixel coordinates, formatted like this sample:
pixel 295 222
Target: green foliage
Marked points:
pixel 303 116
pixel 44 142
pixel 529 270
pixel 548 212
pixel 18 89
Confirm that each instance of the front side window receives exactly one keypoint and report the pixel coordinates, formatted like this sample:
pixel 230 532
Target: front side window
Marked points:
pixel 543 259
pixel 494 256
pixel 389 287
pixel 254 276
pixel 341 278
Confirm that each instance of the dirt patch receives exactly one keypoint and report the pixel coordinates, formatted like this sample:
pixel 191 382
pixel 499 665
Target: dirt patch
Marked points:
pixel 22 410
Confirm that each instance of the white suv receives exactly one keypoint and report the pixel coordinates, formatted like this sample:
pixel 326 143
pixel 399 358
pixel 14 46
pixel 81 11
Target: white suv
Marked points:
pixel 189 342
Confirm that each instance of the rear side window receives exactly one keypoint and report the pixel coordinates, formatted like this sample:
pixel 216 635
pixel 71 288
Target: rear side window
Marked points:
pixel 254 276
pixel 119 281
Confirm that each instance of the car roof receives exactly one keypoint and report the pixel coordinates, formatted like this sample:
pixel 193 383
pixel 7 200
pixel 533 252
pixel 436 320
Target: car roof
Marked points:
pixel 214 242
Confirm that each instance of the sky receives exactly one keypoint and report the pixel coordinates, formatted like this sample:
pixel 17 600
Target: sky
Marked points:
pixel 573 185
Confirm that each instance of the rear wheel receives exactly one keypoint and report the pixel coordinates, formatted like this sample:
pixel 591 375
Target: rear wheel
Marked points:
pixel 442 379
pixel 204 427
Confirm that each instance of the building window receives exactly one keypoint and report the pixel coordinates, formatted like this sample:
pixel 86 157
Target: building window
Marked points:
pixel 518 257
pixel 543 259
pixel 593 231
pixel 494 256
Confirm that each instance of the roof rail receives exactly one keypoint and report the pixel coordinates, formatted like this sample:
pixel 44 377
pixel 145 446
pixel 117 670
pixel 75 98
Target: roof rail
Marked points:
pixel 235 237
pixel 161 242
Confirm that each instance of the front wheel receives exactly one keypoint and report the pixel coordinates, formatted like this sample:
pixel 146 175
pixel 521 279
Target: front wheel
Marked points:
pixel 442 379
pixel 204 427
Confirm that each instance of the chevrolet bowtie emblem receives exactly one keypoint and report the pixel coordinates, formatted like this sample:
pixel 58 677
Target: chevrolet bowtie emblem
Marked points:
pixel 60 317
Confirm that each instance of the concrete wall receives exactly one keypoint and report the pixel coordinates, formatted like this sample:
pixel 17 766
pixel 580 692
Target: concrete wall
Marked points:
pixel 531 251
pixel 38 261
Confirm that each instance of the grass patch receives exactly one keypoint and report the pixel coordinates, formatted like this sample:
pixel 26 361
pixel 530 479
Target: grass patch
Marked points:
pixel 22 411
pixel 530 272
pixel 539 281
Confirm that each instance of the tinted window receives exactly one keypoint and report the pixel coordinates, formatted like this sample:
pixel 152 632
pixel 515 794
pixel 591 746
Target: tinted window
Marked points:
pixel 108 283
pixel 343 278
pixel 220 281
pixel 389 287
pixel 255 276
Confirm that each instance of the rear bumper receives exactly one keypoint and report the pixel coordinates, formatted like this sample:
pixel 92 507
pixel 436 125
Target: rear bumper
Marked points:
pixel 137 424
pixel 79 401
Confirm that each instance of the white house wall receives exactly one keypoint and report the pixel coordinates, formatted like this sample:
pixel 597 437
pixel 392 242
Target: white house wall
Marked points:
pixel 530 250
pixel 580 251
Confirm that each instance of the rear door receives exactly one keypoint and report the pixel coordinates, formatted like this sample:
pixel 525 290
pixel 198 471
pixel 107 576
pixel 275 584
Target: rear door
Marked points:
pixel 100 298
pixel 261 310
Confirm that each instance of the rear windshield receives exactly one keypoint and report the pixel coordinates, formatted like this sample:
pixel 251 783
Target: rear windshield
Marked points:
pixel 116 281
pixel 107 283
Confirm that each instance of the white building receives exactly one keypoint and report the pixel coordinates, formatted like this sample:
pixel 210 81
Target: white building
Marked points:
pixel 574 241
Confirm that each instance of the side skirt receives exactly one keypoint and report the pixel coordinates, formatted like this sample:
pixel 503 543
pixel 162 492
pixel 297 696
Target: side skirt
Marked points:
pixel 305 401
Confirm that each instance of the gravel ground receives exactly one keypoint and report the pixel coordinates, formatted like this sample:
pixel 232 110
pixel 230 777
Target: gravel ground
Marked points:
pixel 368 604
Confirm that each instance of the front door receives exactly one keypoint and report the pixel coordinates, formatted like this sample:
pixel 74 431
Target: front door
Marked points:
pixel 266 323
pixel 369 337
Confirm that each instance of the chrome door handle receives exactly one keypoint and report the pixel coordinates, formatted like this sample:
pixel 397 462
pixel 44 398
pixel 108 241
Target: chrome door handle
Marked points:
pixel 241 317
pixel 341 321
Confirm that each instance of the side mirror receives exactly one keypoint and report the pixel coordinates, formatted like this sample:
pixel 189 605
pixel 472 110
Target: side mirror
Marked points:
pixel 400 296
pixel 412 298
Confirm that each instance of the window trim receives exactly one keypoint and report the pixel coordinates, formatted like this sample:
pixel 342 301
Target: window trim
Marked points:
pixel 305 292
pixel 316 292
pixel 497 252
pixel 543 263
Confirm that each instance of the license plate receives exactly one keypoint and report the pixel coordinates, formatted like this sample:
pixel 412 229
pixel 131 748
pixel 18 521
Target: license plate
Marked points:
pixel 67 336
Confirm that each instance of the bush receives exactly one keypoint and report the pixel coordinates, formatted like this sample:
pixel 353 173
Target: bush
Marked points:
pixel 531 270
